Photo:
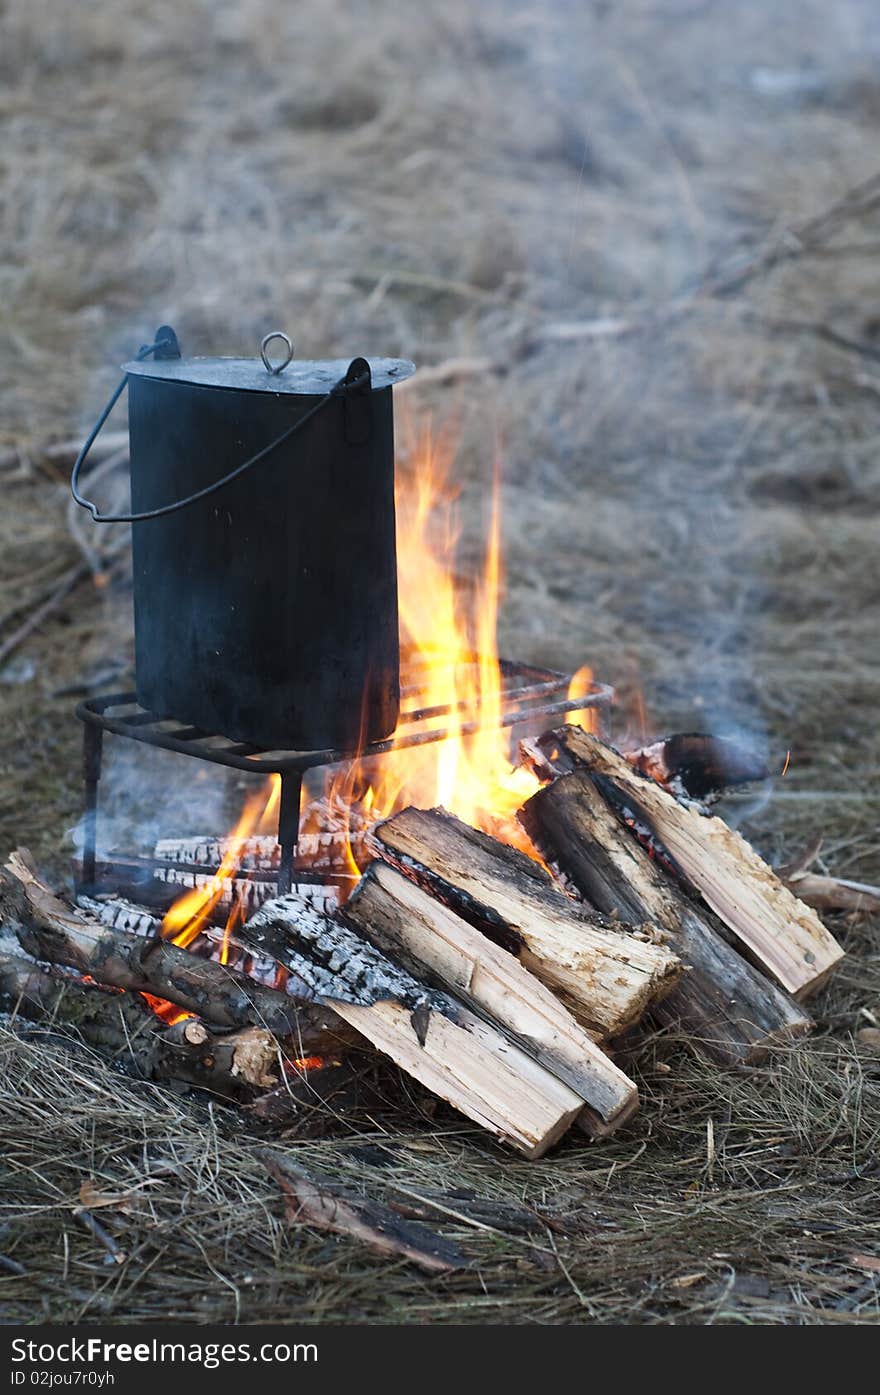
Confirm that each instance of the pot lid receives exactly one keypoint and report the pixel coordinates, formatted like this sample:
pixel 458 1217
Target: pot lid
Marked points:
pixel 276 371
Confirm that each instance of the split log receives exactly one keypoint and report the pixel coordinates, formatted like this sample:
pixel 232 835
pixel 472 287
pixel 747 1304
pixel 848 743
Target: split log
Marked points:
pixel 427 938
pixel 475 1069
pixel 123 1027
pixel 51 931
pixel 735 1013
pixel 605 977
pixel 776 930
pixel 430 1035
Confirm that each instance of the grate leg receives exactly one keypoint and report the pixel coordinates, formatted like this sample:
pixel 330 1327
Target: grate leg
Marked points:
pixel 288 827
pixel 93 742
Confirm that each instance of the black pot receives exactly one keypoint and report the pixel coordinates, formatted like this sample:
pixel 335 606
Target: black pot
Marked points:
pixel 267 609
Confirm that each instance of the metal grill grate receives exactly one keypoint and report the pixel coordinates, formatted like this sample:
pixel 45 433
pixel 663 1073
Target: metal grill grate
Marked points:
pixel 528 692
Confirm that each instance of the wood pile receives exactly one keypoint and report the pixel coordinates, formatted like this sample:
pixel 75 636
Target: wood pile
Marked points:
pixel 499 982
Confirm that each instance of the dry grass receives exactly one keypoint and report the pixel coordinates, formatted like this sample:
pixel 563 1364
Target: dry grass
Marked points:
pixel 692 508
pixel 764 1224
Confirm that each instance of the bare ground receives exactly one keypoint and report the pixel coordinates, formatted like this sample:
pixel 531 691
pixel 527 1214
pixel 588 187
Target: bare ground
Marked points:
pixel 691 505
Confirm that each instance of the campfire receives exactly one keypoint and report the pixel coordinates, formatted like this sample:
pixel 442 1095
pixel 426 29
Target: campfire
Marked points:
pixel 488 898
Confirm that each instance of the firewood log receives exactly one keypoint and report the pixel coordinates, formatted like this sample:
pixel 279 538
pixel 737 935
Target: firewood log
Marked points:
pixel 237 1065
pixel 604 976
pixel 331 960
pixel 250 891
pixel 121 914
pixel 735 1013
pixel 327 830
pixel 429 1034
pixel 701 765
pixel 155 886
pixel 778 932
pixel 52 931
pixel 398 916
pixel 476 1069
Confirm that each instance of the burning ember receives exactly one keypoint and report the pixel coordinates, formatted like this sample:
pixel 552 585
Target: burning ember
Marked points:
pixel 168 1012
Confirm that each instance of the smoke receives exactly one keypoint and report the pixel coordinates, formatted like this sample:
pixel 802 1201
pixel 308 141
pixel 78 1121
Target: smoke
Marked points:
pixel 146 793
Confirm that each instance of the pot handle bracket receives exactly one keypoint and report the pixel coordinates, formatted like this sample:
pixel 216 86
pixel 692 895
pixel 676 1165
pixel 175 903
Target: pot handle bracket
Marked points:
pixel 357 402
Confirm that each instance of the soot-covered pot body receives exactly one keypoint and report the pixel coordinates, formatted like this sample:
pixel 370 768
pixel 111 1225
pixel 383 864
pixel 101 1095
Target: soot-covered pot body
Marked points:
pixel 267 610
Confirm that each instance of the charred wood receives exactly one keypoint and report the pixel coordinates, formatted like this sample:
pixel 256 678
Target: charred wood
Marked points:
pixel 250 891
pixel 52 931
pixel 330 959
pixel 121 914
pixel 123 1027
pixel 698 765
pixel 328 830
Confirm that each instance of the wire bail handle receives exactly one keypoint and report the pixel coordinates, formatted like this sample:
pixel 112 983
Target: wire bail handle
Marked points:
pixel 355 389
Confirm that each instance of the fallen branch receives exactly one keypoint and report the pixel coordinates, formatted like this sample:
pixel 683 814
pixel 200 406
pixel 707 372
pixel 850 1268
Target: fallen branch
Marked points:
pixel 835 893
pixel 123 1027
pixel 319 1202
pixel 792 242
pixel 826 893
pixel 50 930
pixel 58 593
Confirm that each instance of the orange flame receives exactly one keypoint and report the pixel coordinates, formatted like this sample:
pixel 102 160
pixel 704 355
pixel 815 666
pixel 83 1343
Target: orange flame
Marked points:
pixel 233 920
pixel 580 685
pixel 186 919
pixel 450 654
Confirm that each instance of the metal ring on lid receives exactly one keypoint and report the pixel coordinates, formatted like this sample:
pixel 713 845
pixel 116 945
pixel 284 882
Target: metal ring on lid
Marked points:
pixel 279 367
